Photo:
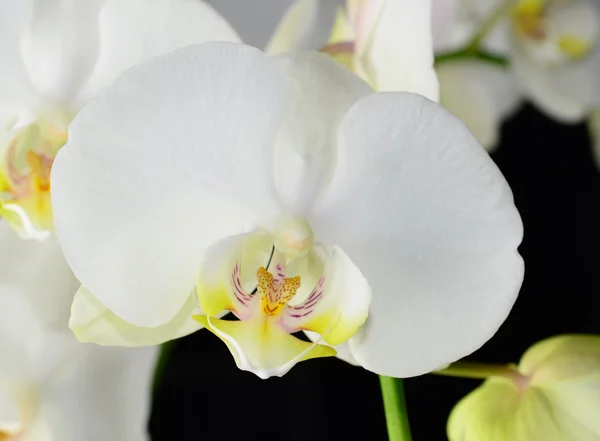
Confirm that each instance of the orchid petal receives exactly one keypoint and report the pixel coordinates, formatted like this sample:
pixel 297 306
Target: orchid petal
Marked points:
pixel 228 272
pixel 104 394
pixel 320 93
pixel 403 61
pixel 91 321
pixel 539 85
pixel 343 350
pixel 294 31
pixel 133 31
pixel 61 46
pixel 499 410
pixel 142 189
pixel 36 276
pixel 338 305
pixel 429 220
pixel 16 91
pixel 263 348
pixel 480 94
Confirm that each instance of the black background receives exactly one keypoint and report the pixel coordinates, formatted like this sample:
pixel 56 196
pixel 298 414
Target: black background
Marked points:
pixel 557 190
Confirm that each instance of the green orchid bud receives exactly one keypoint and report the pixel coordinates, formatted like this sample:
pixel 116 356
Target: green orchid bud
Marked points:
pixel 552 395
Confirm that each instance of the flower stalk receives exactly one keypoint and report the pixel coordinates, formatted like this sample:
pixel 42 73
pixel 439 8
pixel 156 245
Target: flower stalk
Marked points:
pixel 503 9
pixel 394 403
pixel 471 369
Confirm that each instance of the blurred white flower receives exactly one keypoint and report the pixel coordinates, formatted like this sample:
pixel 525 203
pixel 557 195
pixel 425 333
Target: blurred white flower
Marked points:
pixel 51 386
pixel 480 92
pixel 57 54
pixel 556 55
pixel 386 42
pixel 284 190
pixel 553 395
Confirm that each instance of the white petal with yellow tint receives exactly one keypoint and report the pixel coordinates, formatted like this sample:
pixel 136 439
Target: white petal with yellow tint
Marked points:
pixel 343 350
pixel 228 272
pixel 165 188
pixel 419 207
pixel 294 31
pixel 60 46
pixel 567 369
pixel 498 410
pixel 480 94
pixel 133 31
pixel 399 56
pixel 262 347
pixel 91 321
pixel 338 305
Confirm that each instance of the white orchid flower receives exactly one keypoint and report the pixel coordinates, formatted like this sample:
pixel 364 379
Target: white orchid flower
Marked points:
pixel 284 190
pixel 552 395
pixel 556 55
pixel 386 42
pixel 481 93
pixel 51 386
pixel 54 56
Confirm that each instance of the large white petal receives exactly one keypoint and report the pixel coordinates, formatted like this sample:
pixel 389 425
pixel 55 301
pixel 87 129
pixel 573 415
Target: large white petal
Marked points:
pixel 61 46
pixel 133 31
pixel 539 84
pixel 480 94
pixel 320 93
pixel 92 321
pixel 400 55
pixel 103 394
pixel 174 157
pixel 428 218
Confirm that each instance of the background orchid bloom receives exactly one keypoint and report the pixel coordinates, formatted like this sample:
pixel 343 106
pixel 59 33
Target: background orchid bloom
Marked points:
pixel 556 55
pixel 284 190
pixel 386 42
pixel 552 396
pixel 482 93
pixel 51 386
pixel 57 54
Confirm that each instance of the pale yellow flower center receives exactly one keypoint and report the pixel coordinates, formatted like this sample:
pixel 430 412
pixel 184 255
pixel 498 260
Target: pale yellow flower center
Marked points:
pixel 25 167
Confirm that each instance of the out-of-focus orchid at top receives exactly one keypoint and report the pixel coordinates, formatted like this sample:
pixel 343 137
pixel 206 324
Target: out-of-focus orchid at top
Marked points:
pixel 480 91
pixel 54 56
pixel 551 47
pixel 284 190
pixel 387 43
pixel 51 386
pixel 556 55
pixel 552 395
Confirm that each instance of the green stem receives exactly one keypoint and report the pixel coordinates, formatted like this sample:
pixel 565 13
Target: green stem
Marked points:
pixel 165 353
pixel 471 369
pixel 498 14
pixel 394 405
pixel 464 54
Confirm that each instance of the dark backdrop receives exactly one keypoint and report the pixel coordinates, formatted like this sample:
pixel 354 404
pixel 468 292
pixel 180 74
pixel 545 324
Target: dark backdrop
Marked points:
pixel 556 188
